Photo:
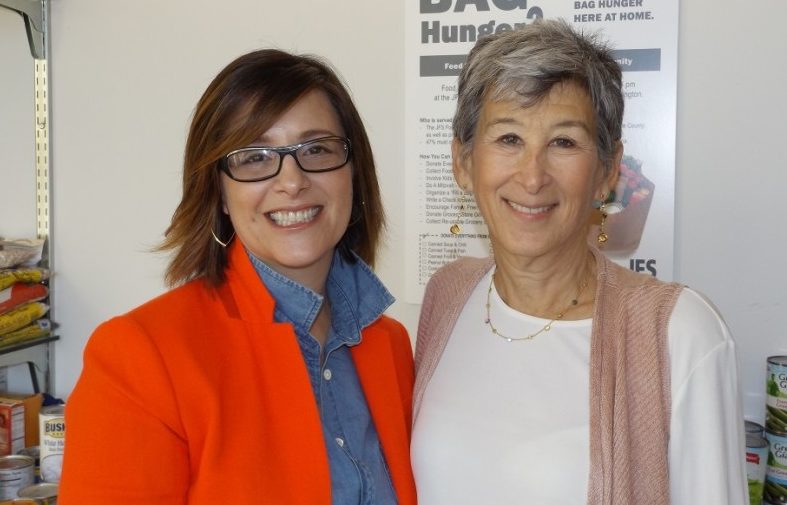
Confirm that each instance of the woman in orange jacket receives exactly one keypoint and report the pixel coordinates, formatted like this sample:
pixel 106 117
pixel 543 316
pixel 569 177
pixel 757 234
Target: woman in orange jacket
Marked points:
pixel 269 374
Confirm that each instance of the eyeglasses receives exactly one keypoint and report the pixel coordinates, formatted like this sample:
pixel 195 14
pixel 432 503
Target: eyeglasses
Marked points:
pixel 257 163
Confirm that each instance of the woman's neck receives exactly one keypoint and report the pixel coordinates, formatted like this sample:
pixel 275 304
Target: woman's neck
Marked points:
pixel 546 285
pixel 314 277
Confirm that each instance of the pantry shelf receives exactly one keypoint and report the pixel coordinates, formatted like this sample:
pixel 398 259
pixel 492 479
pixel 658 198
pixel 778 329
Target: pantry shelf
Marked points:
pixel 36 353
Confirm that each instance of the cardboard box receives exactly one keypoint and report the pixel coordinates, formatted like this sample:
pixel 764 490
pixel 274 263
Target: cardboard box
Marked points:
pixel 32 403
pixel 12 426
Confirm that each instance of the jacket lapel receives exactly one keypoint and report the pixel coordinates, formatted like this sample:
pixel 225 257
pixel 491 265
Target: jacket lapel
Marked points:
pixel 386 394
pixel 283 384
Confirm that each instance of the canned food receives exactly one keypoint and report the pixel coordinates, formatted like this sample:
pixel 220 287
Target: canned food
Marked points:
pixel 44 493
pixel 756 465
pixel 52 441
pixel 34 452
pixel 775 491
pixel 776 398
pixel 753 428
pixel 16 472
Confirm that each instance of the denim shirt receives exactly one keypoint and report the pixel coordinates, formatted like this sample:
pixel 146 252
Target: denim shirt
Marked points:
pixel 359 474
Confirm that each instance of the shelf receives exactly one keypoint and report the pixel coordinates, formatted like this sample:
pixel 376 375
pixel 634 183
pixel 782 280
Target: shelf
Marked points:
pixel 34 13
pixel 35 353
pixel 24 345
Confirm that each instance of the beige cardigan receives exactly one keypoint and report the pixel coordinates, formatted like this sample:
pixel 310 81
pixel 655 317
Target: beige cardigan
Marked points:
pixel 629 373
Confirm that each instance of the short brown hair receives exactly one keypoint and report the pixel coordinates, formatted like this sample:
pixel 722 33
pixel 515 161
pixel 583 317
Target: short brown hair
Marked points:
pixel 524 64
pixel 241 103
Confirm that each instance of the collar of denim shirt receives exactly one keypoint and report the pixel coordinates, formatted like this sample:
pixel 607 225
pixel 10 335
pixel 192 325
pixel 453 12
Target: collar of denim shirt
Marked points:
pixel 358 297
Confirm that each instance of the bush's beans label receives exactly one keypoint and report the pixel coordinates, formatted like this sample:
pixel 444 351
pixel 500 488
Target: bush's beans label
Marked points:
pixel 52 442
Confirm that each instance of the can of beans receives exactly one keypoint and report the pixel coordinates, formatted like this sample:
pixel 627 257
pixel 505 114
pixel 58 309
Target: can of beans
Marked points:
pixel 16 472
pixel 776 398
pixel 775 491
pixel 756 465
pixel 34 452
pixel 52 440
pixel 43 493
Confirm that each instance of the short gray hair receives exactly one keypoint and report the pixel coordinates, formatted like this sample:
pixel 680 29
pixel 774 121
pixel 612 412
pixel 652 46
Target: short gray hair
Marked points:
pixel 525 63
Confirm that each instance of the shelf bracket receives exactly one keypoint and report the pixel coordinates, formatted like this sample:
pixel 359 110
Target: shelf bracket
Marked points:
pixel 33 12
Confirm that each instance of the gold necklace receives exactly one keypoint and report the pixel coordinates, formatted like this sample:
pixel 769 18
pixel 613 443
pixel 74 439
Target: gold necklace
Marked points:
pixel 546 327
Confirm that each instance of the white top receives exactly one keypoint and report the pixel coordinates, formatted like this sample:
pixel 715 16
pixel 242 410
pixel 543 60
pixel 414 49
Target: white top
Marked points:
pixel 508 422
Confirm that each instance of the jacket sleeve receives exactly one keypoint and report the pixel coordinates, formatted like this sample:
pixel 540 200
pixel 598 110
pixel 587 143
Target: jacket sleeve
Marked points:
pixel 403 355
pixel 125 441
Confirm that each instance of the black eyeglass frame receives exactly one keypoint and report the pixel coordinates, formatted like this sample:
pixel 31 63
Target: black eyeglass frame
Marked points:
pixel 283 151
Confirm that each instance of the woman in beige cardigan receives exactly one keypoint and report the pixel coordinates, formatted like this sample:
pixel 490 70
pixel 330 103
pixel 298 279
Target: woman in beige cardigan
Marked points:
pixel 547 374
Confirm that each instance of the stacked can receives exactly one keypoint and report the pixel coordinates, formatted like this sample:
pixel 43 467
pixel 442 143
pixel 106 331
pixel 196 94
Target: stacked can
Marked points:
pixel 756 464
pixel 43 493
pixel 52 441
pixel 16 472
pixel 776 431
pixel 753 428
pixel 33 452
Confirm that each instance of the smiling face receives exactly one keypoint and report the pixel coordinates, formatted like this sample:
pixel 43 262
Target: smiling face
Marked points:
pixel 535 172
pixel 294 220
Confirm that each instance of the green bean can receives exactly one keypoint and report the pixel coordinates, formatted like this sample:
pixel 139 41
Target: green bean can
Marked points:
pixel 776 398
pixel 756 465
pixel 775 491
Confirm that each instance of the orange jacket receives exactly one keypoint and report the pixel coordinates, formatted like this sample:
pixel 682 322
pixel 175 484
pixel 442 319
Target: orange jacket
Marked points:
pixel 199 397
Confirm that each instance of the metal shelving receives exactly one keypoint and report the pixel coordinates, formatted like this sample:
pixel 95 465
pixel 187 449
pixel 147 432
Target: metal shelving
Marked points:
pixel 35 14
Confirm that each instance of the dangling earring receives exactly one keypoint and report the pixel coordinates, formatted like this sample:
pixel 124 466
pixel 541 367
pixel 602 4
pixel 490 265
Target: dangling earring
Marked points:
pixel 222 244
pixel 456 228
pixel 602 234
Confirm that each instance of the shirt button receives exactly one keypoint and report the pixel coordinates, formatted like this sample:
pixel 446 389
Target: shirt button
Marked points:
pixel 340 442
pixel 326 374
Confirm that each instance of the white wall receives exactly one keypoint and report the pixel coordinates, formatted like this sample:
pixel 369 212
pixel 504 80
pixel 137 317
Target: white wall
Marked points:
pixel 17 143
pixel 731 173
pixel 126 75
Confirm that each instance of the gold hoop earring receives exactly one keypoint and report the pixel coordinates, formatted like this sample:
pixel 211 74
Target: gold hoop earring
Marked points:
pixel 456 228
pixel 602 234
pixel 222 244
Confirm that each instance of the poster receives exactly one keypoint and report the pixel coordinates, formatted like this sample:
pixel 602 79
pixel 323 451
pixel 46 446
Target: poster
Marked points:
pixel 438 36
